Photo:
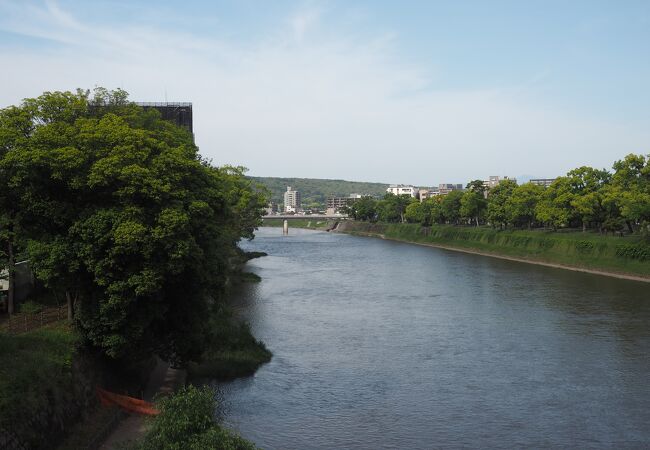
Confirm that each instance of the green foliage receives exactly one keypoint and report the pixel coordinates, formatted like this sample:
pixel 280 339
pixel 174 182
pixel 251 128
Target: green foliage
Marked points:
pixel 450 207
pixel 473 204
pixel 520 206
pixel 577 249
pixel 497 198
pixel 31 307
pixel 364 208
pixel 35 375
pixel 186 421
pixel 639 251
pixel 232 352
pixel 120 212
pixel 314 191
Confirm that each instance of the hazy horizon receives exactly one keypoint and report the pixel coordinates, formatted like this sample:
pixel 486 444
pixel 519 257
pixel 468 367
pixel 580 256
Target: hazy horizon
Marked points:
pixel 420 93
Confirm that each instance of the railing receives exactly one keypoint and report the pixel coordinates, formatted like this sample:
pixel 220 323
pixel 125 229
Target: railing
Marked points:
pixel 24 322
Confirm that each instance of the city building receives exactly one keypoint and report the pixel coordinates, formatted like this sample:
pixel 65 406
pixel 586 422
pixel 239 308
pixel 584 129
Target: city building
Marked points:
pixel 334 204
pixel 179 113
pixel 446 188
pixel 494 180
pixel 292 200
pixel 402 189
pixel 428 193
pixel 546 182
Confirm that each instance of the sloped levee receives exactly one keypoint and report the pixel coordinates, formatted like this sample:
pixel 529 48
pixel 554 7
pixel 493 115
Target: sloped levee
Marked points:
pixel 623 257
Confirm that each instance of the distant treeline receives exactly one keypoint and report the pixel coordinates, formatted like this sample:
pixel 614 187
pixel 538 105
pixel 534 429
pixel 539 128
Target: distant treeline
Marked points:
pixel 587 198
pixel 315 191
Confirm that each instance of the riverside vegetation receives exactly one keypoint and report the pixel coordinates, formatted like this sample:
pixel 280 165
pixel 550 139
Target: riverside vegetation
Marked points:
pixel 125 222
pixel 529 221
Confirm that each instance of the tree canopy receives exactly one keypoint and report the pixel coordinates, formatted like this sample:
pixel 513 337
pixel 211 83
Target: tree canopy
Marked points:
pixel 119 212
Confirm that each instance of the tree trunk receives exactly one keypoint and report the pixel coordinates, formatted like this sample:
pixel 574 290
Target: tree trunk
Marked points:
pixel 584 226
pixel 12 278
pixel 629 226
pixel 68 299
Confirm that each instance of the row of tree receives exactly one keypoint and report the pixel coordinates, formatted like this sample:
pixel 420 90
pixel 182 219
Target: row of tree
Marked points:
pixel 119 214
pixel 585 197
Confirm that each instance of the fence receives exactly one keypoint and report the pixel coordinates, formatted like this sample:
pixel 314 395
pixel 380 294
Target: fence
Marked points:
pixel 24 322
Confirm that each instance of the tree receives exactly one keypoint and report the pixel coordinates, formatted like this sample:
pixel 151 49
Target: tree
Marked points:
pixel 451 207
pixel 415 213
pixel 15 128
pixel 554 207
pixel 630 190
pixel 586 186
pixel 473 203
pixel 520 206
pixel 497 198
pixel 392 207
pixel 364 208
pixel 123 215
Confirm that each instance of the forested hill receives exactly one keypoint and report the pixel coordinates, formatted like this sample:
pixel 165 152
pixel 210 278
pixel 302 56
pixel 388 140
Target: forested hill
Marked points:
pixel 314 191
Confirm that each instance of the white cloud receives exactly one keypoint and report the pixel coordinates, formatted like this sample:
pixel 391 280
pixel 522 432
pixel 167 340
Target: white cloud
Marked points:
pixel 305 103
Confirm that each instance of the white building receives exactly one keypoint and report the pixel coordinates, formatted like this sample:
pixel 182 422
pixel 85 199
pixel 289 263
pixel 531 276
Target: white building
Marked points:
pixel 402 189
pixel 292 200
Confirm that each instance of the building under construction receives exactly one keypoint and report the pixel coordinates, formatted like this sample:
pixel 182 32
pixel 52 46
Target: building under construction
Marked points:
pixel 179 113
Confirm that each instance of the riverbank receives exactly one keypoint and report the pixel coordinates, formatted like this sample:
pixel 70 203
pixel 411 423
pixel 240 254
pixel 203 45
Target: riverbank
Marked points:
pixel 624 258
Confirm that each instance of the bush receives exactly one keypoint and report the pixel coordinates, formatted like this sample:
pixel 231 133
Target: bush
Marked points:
pixel 638 251
pixel 186 421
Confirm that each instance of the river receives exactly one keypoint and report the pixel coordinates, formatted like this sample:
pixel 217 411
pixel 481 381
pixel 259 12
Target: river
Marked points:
pixel 379 344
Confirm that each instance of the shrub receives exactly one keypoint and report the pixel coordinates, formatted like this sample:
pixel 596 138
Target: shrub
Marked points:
pixel 634 251
pixel 186 421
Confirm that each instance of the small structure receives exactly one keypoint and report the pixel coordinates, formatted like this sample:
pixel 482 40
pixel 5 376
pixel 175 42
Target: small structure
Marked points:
pixel 545 182
pixel 402 189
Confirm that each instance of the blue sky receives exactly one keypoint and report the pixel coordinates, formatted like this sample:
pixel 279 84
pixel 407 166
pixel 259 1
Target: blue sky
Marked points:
pixel 419 92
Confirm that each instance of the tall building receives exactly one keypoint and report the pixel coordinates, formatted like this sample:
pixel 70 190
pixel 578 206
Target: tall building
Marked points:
pixel 292 200
pixel 179 113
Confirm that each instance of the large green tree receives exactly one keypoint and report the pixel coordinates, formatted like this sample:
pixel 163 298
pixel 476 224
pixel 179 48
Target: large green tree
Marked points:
pixel 473 203
pixel 126 219
pixel 520 206
pixel 497 198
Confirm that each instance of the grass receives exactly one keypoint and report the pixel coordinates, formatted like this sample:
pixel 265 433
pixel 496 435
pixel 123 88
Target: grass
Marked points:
pixel 628 255
pixel 234 353
pixel 35 375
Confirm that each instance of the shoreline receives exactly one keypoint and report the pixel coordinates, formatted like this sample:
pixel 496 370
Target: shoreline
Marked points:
pixel 619 275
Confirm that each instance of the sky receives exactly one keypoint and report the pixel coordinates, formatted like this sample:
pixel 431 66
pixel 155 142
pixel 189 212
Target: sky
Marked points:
pixel 419 92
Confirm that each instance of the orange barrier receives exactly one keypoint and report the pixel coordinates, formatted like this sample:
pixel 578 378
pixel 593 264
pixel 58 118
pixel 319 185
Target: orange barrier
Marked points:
pixel 127 403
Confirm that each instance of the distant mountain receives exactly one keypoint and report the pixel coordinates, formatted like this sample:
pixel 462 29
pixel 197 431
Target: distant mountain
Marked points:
pixel 315 191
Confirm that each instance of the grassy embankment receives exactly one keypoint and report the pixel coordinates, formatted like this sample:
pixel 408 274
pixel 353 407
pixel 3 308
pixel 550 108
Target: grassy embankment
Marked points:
pixel 35 376
pixel 628 255
pixel 311 224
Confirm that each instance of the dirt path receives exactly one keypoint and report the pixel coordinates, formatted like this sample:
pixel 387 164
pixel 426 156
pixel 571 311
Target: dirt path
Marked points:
pixel 163 380
pixel 510 258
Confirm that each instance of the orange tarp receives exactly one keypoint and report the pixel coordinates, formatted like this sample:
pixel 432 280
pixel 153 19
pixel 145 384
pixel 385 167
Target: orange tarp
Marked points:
pixel 127 403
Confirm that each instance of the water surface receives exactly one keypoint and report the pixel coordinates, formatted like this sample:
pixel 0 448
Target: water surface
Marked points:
pixel 379 344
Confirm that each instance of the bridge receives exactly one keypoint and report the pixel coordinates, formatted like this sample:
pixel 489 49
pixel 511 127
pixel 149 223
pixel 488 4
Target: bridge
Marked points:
pixel 305 217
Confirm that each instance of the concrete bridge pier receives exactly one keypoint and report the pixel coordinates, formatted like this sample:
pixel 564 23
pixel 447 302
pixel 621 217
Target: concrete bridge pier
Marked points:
pixel 285 227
